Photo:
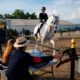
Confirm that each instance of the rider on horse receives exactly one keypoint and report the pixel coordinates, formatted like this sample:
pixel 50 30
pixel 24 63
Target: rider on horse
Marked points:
pixel 43 18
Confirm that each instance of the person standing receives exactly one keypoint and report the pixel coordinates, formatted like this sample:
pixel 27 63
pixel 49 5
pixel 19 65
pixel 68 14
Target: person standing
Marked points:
pixel 1 42
pixel 43 18
pixel 7 52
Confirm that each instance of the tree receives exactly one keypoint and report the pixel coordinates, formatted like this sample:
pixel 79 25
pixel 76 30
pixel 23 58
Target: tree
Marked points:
pixel 27 15
pixel 18 14
pixel 33 16
pixel 1 16
pixel 7 16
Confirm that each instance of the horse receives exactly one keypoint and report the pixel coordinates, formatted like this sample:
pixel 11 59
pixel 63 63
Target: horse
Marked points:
pixel 47 31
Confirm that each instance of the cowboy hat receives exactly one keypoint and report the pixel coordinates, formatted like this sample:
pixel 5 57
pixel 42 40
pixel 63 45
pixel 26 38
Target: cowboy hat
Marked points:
pixel 20 42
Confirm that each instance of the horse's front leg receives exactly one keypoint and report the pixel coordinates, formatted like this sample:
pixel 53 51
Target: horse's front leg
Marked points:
pixel 53 44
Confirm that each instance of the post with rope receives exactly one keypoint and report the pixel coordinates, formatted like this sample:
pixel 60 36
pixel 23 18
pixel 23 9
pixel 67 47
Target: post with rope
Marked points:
pixel 73 55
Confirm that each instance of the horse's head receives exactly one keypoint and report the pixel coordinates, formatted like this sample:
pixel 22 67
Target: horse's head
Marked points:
pixel 53 22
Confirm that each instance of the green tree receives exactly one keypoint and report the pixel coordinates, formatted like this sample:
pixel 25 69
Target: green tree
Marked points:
pixel 27 15
pixel 7 16
pixel 1 16
pixel 18 14
pixel 33 16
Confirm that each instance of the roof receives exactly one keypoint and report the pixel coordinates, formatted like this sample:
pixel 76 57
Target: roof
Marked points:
pixel 32 22
pixel 64 22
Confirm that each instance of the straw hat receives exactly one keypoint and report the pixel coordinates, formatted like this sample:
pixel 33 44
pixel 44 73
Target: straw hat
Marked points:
pixel 20 42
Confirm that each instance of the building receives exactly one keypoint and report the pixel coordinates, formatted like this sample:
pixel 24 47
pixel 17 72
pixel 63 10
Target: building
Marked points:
pixel 29 24
pixel 20 24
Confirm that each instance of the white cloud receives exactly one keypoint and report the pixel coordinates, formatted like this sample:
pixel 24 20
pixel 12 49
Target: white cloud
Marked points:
pixel 66 8
pixel 76 14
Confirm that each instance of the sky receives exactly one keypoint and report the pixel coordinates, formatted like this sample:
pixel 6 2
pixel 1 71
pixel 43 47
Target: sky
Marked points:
pixel 67 9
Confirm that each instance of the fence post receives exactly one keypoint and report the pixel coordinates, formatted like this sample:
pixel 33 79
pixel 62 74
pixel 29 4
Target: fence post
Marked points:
pixel 73 55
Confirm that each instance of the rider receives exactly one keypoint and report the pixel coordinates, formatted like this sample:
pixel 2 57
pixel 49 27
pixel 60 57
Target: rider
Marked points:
pixel 43 18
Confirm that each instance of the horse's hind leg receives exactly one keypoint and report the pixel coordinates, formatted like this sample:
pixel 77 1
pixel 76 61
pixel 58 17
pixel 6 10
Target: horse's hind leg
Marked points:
pixel 41 48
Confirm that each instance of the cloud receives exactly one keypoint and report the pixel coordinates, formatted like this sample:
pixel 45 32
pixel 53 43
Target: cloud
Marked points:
pixel 76 14
pixel 66 8
pixel 10 6
pixel 66 2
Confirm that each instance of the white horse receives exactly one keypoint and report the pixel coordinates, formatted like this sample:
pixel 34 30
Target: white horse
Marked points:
pixel 47 31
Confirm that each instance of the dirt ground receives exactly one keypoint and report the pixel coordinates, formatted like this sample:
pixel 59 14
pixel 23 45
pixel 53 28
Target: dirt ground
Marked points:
pixel 63 72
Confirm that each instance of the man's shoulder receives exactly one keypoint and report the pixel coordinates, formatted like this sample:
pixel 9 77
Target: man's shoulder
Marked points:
pixel 40 13
pixel 27 53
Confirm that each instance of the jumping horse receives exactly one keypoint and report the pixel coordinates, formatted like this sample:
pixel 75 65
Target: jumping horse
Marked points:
pixel 47 31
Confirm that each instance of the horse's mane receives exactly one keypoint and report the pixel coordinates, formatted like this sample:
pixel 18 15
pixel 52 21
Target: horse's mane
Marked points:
pixel 49 20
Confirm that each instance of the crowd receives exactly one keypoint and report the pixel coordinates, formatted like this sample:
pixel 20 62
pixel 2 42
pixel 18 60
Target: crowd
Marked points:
pixel 6 34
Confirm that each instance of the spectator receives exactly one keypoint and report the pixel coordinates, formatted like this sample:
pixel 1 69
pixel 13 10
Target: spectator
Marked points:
pixel 1 42
pixel 7 52
pixel 19 62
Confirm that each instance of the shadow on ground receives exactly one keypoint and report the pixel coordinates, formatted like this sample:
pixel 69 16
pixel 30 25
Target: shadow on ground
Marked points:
pixel 50 78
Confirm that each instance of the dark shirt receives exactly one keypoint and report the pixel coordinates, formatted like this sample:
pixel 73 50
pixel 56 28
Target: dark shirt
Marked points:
pixel 43 17
pixel 19 65
pixel 1 37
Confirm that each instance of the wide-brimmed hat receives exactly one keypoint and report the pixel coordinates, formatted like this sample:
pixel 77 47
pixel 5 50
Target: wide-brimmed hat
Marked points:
pixel 21 42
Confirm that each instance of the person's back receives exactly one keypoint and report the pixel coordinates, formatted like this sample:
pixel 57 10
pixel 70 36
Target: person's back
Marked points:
pixel 19 62
pixel 19 71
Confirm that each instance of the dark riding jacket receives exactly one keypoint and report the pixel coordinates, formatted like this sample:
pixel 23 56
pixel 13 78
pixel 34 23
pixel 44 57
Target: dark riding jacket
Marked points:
pixel 43 17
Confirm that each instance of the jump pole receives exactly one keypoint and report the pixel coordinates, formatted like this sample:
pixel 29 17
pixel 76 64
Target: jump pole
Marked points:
pixel 45 46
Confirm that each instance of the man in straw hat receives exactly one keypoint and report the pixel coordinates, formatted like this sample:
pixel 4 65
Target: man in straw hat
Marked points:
pixel 18 67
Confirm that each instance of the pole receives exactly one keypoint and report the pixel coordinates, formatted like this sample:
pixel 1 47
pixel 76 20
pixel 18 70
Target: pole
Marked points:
pixel 45 45
pixel 73 55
